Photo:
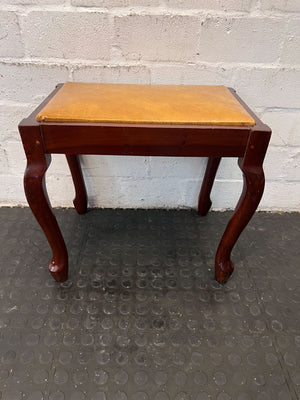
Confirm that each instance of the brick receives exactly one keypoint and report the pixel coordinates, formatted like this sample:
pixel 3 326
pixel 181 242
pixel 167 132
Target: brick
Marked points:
pixel 281 195
pixel 114 3
pixel 189 74
pixel 10 192
pixel 10 37
pixel 268 87
pixel 175 167
pixel 35 2
pixel 125 181
pixel 192 168
pixel 225 194
pixel 285 126
pixel 60 189
pixel 282 163
pixel 158 193
pixel 291 48
pixel 67 35
pixel 115 166
pixel 16 158
pixel 168 74
pixel 3 158
pixel 10 116
pixel 228 5
pixel 29 83
pixel 148 37
pixel 59 166
pixel 229 170
pixel 126 192
pixel 112 74
pixel 240 40
pixel 281 5
pixel 150 193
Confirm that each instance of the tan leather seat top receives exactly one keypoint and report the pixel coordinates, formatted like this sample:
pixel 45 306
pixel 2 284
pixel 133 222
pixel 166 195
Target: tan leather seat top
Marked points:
pixel 145 104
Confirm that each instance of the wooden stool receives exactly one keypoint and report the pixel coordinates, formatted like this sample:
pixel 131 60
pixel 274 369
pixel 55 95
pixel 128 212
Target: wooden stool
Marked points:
pixel 143 120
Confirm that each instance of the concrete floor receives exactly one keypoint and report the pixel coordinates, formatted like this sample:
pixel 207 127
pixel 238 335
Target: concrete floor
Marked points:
pixel 141 316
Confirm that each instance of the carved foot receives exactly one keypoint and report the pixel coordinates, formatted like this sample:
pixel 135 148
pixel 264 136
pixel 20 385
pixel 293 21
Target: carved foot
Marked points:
pixel 254 180
pixel 80 205
pixel 59 271
pixel 204 207
pixel 80 201
pixel 204 202
pixel 223 270
pixel 37 197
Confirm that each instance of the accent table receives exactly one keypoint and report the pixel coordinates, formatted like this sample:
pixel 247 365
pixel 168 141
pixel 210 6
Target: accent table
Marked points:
pixel 143 120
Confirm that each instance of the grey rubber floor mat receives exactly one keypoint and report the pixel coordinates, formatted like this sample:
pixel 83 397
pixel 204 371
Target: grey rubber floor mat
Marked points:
pixel 141 316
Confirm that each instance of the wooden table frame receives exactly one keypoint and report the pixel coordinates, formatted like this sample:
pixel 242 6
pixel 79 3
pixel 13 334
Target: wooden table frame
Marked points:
pixel 41 139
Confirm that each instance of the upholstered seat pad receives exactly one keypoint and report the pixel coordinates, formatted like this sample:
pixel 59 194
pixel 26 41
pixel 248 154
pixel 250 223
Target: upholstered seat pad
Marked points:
pixel 145 104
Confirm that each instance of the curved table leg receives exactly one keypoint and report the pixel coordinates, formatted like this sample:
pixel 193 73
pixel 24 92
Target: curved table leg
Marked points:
pixel 80 201
pixel 204 202
pixel 254 181
pixel 37 197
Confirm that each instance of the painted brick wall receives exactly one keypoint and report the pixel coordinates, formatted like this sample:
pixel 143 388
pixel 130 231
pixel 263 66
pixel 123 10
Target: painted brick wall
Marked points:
pixel 251 45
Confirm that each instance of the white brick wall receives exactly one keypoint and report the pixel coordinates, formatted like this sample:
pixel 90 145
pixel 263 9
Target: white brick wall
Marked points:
pixel 157 38
pixel 292 6
pixel 10 35
pixel 216 5
pixel 251 45
pixel 67 35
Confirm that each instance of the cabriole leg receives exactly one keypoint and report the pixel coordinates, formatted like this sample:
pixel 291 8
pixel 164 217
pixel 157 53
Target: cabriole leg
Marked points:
pixel 254 181
pixel 204 202
pixel 37 197
pixel 80 201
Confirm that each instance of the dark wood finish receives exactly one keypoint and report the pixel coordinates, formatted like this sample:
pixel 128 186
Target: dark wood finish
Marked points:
pixel 80 201
pixel 254 181
pixel 40 140
pixel 37 197
pixel 204 202
pixel 145 140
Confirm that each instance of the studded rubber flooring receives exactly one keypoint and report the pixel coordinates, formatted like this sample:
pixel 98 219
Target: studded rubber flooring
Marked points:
pixel 141 317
